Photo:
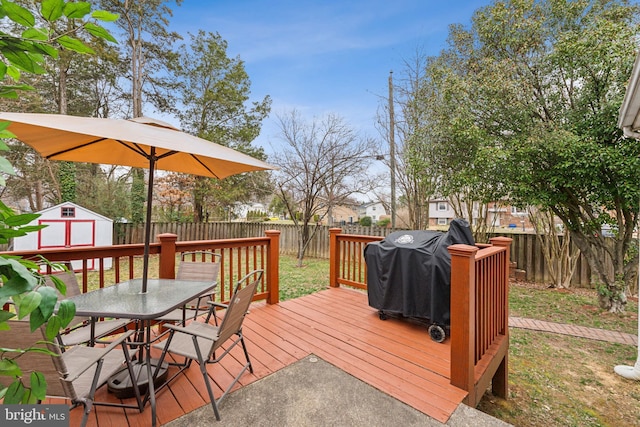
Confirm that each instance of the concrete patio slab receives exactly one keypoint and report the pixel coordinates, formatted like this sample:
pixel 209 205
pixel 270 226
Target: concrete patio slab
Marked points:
pixel 313 392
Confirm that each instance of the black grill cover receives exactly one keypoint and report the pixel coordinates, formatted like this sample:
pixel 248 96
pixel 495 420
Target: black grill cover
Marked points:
pixel 409 272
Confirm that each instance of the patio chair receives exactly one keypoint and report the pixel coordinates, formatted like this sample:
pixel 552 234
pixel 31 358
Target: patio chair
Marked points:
pixel 75 374
pixel 81 330
pixel 200 267
pixel 200 340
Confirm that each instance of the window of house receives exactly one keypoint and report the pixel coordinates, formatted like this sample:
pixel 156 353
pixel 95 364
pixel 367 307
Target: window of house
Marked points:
pixel 68 212
pixel 516 211
pixel 442 206
pixel 442 221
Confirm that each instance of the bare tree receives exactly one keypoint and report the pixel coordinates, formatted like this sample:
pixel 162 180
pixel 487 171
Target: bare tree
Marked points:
pixel 561 256
pixel 322 163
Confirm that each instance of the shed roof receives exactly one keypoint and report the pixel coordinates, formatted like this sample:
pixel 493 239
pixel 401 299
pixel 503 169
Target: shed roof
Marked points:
pixel 68 204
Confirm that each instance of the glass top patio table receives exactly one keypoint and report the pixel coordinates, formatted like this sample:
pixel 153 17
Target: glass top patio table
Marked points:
pixel 126 299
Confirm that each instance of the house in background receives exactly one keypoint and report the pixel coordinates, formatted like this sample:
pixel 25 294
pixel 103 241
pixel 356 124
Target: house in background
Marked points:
pixel 500 215
pixel 374 210
pixel 240 210
pixel 342 215
pixel 69 225
pixel 440 212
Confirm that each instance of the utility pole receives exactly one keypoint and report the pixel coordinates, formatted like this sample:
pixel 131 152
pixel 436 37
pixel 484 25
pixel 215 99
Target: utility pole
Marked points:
pixel 392 152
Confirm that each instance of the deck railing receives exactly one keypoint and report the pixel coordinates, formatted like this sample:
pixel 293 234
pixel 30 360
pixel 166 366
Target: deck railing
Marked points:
pixel 479 308
pixel 346 259
pixel 479 318
pixel 238 257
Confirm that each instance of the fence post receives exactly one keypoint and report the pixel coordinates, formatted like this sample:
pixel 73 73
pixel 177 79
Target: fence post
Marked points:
pixel 334 257
pixel 463 318
pixel 500 380
pixel 167 255
pixel 273 266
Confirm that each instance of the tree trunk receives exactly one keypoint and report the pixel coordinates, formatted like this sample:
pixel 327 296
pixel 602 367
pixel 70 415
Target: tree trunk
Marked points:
pixel 611 286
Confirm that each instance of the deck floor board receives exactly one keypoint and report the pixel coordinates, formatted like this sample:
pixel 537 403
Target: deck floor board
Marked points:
pixel 395 356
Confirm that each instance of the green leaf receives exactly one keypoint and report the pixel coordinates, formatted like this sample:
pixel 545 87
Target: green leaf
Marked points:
pixel 98 31
pixel 49 300
pixel 9 368
pixel 77 10
pixel 13 72
pixel 6 315
pixel 17 279
pixel 103 15
pixel 28 398
pixel 18 87
pixel 36 319
pixel 23 60
pixel 35 34
pixel 14 393
pixel 18 14
pixel 28 303
pixel 46 49
pixel 3 70
pixel 53 327
pixel 59 284
pixel 74 45
pixel 51 10
pixel 32 228
pixel 38 386
pixel 21 219
pixel 66 312
pixel 6 166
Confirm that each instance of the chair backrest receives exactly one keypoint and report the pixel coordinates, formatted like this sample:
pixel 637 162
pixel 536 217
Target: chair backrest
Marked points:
pixel 238 307
pixel 51 366
pixel 200 266
pixel 73 289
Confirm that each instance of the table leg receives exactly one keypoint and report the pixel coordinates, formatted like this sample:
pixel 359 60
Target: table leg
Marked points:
pixel 144 367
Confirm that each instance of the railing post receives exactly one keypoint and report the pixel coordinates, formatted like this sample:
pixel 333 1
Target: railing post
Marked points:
pixel 500 380
pixel 463 318
pixel 273 266
pixel 167 255
pixel 334 257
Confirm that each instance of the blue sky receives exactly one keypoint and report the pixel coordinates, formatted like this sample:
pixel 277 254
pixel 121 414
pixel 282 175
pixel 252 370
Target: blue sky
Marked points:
pixel 324 57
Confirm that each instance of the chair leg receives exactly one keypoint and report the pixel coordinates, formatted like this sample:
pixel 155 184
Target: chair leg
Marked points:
pixel 246 353
pixel 86 407
pixel 205 376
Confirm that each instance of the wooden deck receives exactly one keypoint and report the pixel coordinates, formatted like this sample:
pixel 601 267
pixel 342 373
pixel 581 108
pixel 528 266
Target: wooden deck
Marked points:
pixel 394 356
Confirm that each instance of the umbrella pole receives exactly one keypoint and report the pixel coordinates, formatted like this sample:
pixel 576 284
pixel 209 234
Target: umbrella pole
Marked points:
pixel 147 227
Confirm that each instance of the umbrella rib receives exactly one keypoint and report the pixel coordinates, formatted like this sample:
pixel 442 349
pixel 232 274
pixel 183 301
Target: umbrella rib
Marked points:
pixel 135 148
pixel 205 166
pixel 138 149
pixel 95 141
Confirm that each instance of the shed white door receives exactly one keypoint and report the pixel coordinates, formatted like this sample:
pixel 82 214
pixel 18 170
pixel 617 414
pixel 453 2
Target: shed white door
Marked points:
pixel 67 233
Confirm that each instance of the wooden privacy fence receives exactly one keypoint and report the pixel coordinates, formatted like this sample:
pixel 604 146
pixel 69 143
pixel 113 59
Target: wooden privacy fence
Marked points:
pixel 526 249
pixel 479 307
